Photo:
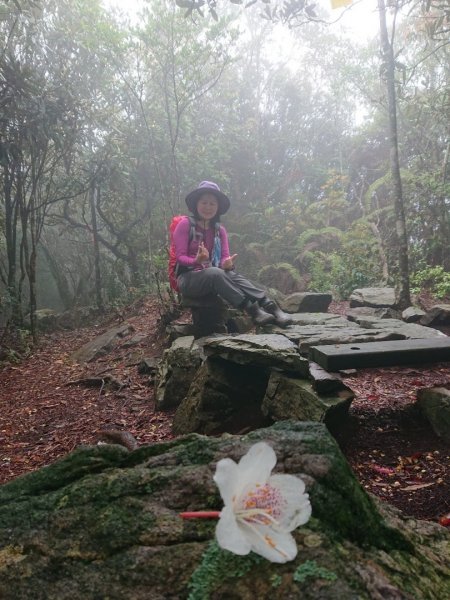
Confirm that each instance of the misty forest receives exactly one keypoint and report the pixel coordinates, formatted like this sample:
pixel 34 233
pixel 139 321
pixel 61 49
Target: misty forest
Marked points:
pixel 139 427
pixel 107 121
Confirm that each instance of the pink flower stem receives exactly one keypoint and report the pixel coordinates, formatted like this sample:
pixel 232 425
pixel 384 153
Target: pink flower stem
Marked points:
pixel 211 514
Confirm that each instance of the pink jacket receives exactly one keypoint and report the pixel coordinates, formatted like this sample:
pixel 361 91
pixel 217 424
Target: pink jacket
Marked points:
pixel 186 250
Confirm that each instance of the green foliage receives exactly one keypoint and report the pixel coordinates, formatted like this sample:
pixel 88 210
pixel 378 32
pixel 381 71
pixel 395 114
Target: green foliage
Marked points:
pixel 434 279
pixel 310 568
pixel 219 565
pixel 326 272
pixel 324 237
pixel 282 276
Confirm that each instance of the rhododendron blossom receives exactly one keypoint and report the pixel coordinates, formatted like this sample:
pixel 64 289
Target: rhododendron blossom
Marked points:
pixel 260 509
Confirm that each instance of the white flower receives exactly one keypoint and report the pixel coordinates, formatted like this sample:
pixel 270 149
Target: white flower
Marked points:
pixel 260 509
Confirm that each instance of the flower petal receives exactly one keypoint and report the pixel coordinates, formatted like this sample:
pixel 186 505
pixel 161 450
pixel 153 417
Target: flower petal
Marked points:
pixel 229 535
pixel 256 465
pixel 226 478
pixel 276 546
pixel 296 508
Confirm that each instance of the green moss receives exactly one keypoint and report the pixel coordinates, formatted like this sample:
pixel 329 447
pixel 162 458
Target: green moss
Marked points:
pixel 311 569
pixel 275 580
pixel 218 565
pixel 83 461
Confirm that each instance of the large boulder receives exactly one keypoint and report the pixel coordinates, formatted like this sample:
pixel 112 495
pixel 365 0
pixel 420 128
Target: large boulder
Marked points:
pixel 176 371
pixel 46 319
pixel 300 302
pixel 104 523
pixel 288 398
pixel 223 396
pixel 437 315
pixel 413 314
pixel 376 297
pixel 434 403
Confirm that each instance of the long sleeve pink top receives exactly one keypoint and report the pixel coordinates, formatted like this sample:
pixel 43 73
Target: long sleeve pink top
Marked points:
pixel 186 250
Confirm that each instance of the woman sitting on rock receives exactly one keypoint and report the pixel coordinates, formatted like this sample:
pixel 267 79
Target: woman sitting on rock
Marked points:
pixel 204 264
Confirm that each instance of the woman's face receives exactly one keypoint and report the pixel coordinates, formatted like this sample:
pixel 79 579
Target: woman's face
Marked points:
pixel 207 206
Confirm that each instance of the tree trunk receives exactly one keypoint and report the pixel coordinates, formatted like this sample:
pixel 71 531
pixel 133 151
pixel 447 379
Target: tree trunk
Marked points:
pixel 444 219
pixel 97 272
pixel 11 217
pixel 403 291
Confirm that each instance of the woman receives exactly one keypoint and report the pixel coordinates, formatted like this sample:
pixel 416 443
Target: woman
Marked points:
pixel 204 264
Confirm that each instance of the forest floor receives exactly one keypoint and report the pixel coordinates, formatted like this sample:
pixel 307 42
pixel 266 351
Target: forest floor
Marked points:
pixel 390 447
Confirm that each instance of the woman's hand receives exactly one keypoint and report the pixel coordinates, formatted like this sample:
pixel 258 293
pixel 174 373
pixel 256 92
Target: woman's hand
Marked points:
pixel 228 263
pixel 202 253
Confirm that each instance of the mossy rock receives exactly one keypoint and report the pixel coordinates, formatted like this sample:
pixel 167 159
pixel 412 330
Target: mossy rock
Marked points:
pixel 104 524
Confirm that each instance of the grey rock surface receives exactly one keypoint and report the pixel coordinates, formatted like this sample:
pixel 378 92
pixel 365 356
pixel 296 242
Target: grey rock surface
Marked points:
pixel 319 335
pixel 288 398
pixel 434 403
pixel 299 302
pixel 176 371
pixel 409 331
pixel 413 314
pixel 375 297
pixel 437 315
pixel 224 396
pixel 104 523
pixel 265 350
pixel 102 344
pixel 367 311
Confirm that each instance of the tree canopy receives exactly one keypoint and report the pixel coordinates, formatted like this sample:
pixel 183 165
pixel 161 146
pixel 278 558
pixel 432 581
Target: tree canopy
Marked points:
pixel 106 123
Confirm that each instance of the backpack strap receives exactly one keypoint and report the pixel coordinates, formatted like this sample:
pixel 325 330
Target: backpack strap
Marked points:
pixel 192 229
pixel 178 268
pixel 217 248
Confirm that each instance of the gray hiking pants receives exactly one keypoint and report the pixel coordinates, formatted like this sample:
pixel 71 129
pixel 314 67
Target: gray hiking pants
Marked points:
pixel 229 285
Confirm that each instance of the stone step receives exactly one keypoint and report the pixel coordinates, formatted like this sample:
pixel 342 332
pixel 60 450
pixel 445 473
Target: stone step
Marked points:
pixel 334 357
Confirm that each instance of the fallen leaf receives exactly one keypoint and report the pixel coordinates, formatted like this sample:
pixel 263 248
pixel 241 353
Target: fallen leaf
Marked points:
pixel 419 486
pixel 383 470
pixel 445 520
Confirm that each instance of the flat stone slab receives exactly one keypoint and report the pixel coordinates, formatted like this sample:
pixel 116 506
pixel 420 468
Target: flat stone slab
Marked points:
pixel 367 311
pixel 318 318
pixel 409 331
pixel 335 333
pixel 102 344
pixel 376 297
pixel 297 332
pixel 266 350
pixel 381 354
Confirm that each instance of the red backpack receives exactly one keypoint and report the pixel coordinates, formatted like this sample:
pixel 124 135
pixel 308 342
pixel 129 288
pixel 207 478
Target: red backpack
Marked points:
pixel 172 254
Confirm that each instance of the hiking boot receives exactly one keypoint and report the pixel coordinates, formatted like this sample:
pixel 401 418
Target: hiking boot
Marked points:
pixel 258 315
pixel 281 318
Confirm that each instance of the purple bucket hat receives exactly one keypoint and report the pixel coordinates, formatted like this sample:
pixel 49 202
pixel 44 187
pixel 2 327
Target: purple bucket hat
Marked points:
pixel 208 187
